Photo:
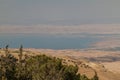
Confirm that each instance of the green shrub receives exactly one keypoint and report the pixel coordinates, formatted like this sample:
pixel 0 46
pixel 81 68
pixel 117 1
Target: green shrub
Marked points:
pixel 39 67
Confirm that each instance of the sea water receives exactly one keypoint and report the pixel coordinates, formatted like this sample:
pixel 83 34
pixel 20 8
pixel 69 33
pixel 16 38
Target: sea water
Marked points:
pixel 47 41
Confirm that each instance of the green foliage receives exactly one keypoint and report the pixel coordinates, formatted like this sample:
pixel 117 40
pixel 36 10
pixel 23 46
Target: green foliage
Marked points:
pixel 70 73
pixel 39 67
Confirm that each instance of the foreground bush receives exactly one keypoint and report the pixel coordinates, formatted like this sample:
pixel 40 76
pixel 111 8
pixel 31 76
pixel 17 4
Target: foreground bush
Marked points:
pixel 39 67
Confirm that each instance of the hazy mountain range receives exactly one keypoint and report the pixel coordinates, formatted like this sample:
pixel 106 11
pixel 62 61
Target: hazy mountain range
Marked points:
pixel 53 29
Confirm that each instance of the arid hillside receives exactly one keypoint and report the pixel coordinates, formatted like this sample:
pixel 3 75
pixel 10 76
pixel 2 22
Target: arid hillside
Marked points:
pixel 105 63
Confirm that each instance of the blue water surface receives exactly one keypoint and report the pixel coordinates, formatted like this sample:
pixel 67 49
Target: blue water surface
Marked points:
pixel 46 41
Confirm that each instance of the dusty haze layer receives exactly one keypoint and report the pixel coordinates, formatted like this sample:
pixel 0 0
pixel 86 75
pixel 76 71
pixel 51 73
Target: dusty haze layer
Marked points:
pixel 52 29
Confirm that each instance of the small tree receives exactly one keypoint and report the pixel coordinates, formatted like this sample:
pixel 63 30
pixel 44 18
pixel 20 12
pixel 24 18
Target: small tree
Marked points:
pixel 6 50
pixel 21 53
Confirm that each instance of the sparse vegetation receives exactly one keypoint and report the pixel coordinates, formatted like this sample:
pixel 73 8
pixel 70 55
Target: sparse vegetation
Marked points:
pixel 39 67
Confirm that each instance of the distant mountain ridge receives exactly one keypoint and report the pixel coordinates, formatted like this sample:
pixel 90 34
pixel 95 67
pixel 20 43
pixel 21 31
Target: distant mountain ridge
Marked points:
pixel 53 29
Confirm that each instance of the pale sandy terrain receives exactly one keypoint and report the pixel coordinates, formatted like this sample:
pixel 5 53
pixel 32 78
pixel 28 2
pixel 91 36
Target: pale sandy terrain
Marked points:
pixel 113 66
pixel 108 42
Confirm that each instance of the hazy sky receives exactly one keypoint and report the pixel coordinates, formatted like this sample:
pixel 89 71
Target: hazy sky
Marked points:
pixel 59 12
